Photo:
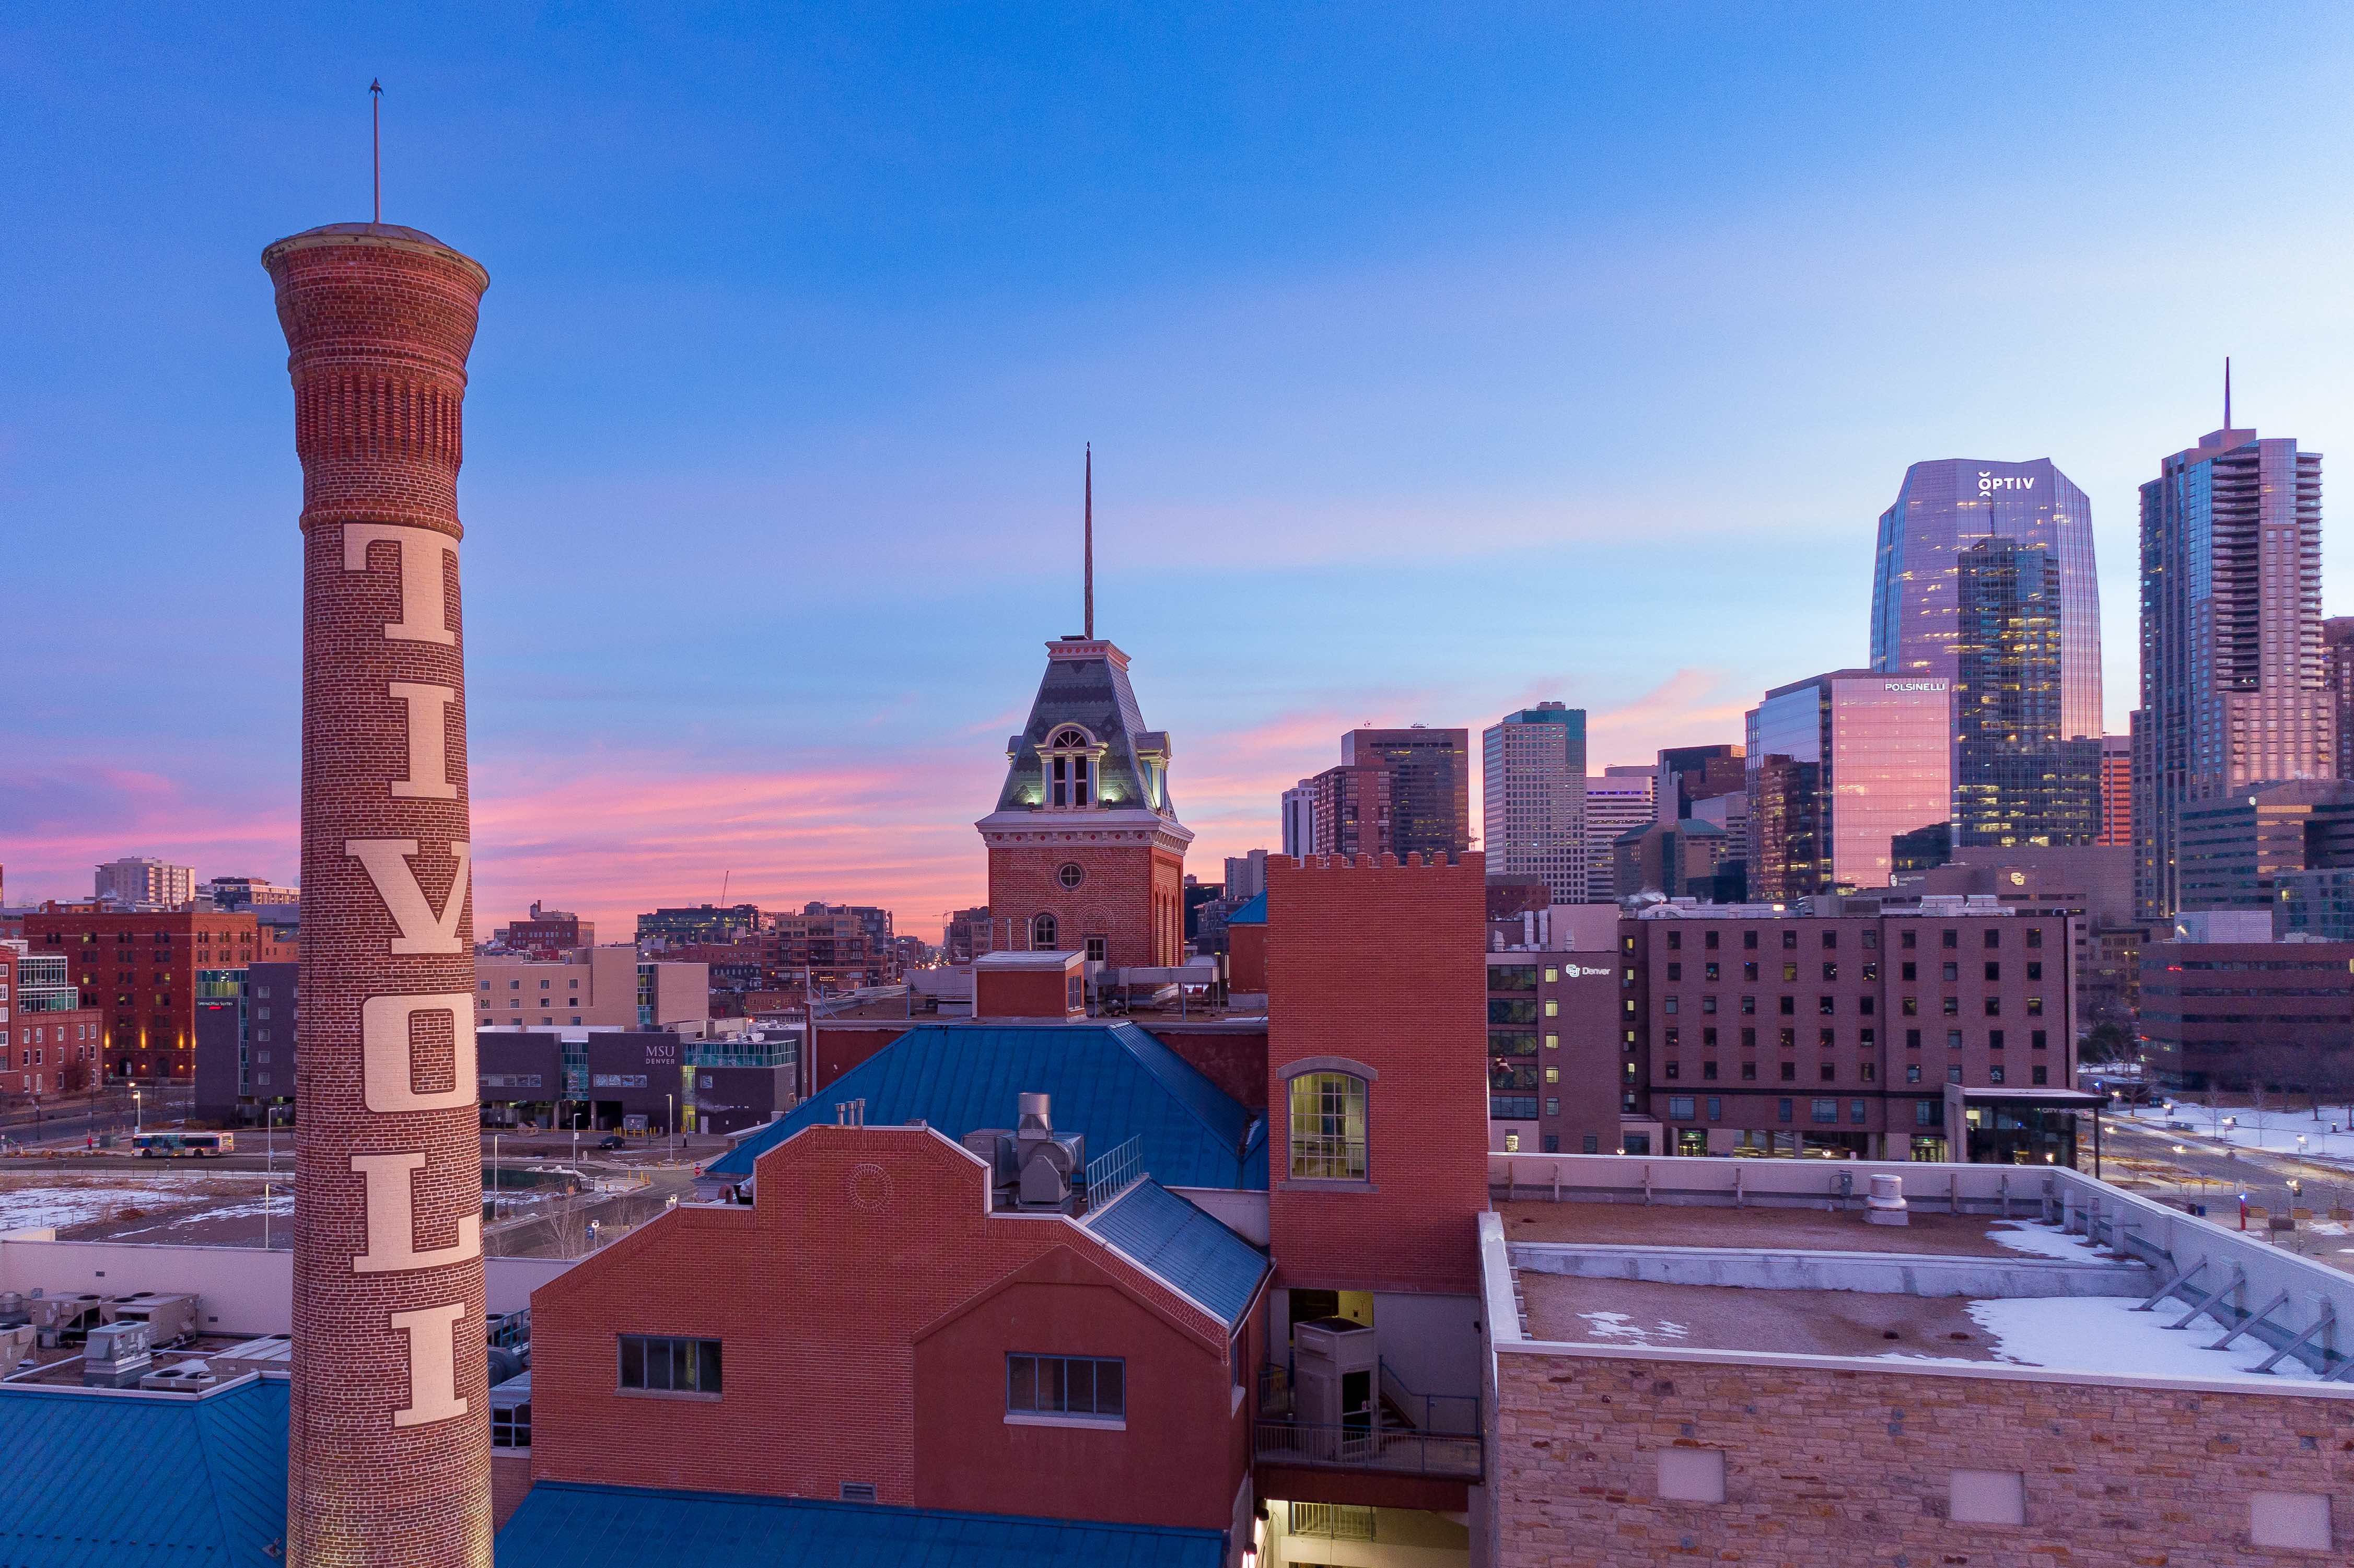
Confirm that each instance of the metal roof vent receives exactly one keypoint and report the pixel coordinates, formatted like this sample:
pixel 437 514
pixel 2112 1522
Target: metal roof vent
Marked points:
pixel 1032 1119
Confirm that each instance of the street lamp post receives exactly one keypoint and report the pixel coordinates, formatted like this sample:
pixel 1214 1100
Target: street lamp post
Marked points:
pixel 670 1124
pixel 136 1122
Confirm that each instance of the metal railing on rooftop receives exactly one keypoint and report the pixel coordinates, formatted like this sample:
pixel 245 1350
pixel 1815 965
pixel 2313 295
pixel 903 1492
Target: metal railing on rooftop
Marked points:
pixel 1115 1171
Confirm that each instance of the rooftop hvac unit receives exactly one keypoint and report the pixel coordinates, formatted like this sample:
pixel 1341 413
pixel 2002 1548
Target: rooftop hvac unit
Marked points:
pixel 116 1356
pixel 57 1319
pixel 1042 1165
pixel 13 1311
pixel 170 1317
pixel 15 1348
pixel 182 1377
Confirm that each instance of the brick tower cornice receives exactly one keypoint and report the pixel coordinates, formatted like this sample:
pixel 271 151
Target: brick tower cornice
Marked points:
pixel 380 320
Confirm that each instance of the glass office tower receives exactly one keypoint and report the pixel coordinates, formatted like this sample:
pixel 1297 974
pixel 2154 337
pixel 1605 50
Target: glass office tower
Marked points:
pixel 1942 509
pixel 2017 780
pixel 1842 765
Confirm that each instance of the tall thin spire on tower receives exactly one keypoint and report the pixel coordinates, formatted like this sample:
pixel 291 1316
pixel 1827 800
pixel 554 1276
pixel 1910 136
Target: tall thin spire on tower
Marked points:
pixel 2227 391
pixel 1088 569
pixel 376 138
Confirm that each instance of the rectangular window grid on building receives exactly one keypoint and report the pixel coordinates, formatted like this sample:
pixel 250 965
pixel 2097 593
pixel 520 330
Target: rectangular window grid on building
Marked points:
pixel 1082 1386
pixel 660 1364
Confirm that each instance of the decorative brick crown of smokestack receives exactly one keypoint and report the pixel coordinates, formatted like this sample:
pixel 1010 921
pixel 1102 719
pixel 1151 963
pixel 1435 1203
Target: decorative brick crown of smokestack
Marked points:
pixel 390 1459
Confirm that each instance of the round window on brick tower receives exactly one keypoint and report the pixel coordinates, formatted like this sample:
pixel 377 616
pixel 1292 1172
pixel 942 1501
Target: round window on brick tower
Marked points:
pixel 1071 875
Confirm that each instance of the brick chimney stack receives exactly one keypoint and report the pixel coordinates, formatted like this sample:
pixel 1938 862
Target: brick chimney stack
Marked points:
pixel 389 1440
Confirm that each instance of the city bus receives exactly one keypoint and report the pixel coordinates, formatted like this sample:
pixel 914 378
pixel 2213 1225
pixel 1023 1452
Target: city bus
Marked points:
pixel 194 1145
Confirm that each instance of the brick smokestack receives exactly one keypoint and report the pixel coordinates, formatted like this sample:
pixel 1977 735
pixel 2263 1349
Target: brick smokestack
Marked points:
pixel 390 1438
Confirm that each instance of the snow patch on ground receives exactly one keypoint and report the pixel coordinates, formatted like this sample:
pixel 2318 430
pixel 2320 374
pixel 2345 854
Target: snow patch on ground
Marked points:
pixel 1603 1326
pixel 33 1208
pixel 2046 1241
pixel 2329 1140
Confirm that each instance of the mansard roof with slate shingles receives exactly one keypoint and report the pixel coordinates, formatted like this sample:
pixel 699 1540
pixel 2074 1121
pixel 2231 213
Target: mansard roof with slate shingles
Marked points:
pixel 564 1524
pixel 1086 684
pixel 1110 1082
pixel 120 1478
pixel 1183 1246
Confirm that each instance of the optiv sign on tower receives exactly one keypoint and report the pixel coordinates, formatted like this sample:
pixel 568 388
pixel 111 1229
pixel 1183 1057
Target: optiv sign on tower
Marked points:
pixel 1988 483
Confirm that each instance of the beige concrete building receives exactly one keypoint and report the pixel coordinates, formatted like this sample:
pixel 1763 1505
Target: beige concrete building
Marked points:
pixel 591 988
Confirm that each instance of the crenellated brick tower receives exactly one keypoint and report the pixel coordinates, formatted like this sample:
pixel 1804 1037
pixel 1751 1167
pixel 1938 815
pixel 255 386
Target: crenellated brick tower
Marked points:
pixel 389 1441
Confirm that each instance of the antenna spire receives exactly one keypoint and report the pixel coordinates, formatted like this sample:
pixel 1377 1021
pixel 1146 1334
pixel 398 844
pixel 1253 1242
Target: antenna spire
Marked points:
pixel 1089 570
pixel 2227 391
pixel 376 136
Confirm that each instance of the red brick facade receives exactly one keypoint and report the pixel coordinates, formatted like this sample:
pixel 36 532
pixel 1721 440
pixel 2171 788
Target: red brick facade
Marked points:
pixel 1130 895
pixel 140 971
pixel 44 1053
pixel 1382 965
pixel 865 1306
pixel 389 1436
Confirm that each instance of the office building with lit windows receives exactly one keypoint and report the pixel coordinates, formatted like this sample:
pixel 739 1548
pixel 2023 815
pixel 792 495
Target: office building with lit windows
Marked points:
pixel 1430 785
pixel 1941 510
pixel 2018 781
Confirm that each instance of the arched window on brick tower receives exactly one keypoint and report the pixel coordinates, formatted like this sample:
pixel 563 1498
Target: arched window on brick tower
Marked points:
pixel 1072 758
pixel 1042 932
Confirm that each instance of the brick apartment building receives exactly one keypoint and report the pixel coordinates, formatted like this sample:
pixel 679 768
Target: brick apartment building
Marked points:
pixel 144 971
pixel 1757 1032
pixel 2238 1014
pixel 545 932
pixel 51 1041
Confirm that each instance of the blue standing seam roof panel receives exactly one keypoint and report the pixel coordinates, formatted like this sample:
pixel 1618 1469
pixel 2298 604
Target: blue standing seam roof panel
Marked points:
pixel 565 1525
pixel 1111 1082
pixel 1159 1230
pixel 105 1480
pixel 1252 912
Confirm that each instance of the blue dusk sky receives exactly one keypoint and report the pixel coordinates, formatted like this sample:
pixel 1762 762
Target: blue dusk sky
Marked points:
pixel 1438 360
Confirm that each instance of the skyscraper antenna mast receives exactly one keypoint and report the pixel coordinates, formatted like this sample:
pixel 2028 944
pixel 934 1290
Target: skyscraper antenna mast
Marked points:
pixel 2227 391
pixel 376 136
pixel 1089 569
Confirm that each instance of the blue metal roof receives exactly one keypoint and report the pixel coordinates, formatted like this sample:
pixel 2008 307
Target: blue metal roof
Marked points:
pixel 1162 1232
pixel 565 1525
pixel 102 1479
pixel 1253 913
pixel 1110 1081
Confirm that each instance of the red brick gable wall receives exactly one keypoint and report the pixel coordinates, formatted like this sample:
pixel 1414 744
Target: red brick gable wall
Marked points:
pixel 1382 963
pixel 865 1241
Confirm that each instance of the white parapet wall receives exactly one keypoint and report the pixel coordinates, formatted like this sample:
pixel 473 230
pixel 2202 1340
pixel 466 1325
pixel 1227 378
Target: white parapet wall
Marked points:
pixel 239 1290
pixel 2291 1299
pixel 1873 1273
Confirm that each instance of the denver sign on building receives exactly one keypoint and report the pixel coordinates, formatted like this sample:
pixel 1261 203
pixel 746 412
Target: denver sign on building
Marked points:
pixel 390 1442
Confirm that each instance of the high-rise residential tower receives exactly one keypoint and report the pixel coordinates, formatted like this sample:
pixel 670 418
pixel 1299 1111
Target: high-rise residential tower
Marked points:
pixel 1842 765
pixel 388 1433
pixel 1944 507
pixel 2233 685
pixel 1430 784
pixel 2017 780
pixel 1532 786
